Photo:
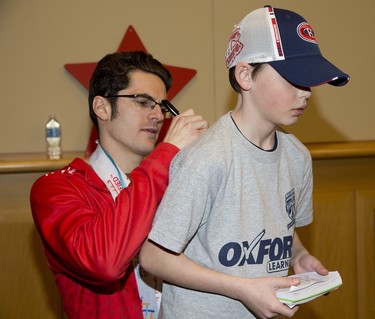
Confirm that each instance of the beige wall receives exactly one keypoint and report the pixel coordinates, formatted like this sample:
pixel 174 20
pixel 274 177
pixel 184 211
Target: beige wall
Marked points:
pixel 38 37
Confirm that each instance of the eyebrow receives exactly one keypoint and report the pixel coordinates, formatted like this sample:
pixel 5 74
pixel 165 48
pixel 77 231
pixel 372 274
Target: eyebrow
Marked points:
pixel 146 96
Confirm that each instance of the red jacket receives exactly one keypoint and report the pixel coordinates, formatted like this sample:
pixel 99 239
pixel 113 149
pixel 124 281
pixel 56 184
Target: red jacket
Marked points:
pixel 90 240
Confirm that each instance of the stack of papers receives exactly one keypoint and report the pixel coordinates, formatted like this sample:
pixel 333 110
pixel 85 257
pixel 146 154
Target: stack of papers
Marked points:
pixel 312 286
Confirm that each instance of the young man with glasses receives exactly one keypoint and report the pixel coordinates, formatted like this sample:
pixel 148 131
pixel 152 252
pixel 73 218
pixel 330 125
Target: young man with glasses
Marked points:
pixel 93 216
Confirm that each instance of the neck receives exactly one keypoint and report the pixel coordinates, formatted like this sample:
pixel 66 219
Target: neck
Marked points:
pixel 252 130
pixel 125 159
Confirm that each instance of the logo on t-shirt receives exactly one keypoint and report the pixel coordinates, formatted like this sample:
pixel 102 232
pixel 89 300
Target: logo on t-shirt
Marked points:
pixel 276 252
pixel 290 207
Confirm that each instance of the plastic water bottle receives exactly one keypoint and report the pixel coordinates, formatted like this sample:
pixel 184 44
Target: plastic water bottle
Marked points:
pixel 53 139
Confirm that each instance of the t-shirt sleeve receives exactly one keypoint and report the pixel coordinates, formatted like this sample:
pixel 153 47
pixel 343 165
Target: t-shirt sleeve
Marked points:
pixel 183 209
pixel 304 204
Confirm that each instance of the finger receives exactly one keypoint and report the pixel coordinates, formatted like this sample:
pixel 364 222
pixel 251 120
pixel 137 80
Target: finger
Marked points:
pixel 288 281
pixel 287 311
pixel 199 124
pixel 186 113
pixel 192 121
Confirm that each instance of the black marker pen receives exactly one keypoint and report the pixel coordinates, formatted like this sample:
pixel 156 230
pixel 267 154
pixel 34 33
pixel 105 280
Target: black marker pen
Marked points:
pixel 170 107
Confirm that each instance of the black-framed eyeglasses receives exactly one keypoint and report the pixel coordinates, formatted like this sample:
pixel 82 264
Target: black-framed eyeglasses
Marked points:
pixel 143 100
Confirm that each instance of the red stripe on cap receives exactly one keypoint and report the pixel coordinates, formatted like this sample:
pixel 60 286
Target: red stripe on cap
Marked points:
pixel 277 37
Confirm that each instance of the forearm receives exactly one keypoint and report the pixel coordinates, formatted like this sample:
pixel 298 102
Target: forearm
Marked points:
pixel 182 271
pixel 298 250
pixel 303 261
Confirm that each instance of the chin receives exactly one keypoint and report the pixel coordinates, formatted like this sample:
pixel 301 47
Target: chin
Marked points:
pixel 149 149
pixel 292 121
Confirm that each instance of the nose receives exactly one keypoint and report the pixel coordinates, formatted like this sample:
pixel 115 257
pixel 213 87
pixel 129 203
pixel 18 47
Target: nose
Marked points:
pixel 308 94
pixel 156 113
pixel 304 92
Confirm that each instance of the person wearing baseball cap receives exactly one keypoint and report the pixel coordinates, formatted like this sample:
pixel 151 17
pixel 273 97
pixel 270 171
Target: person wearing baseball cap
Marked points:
pixel 224 237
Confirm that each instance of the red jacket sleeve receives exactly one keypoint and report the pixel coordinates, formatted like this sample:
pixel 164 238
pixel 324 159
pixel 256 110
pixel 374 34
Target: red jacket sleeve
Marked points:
pixel 85 233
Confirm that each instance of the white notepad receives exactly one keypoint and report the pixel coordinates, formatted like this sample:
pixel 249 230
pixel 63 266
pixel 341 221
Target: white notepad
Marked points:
pixel 312 286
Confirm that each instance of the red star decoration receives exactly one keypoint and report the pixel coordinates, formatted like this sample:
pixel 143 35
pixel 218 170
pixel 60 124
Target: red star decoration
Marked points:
pixel 130 42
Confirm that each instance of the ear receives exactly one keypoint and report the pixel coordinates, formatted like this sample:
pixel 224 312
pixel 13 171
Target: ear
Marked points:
pixel 243 75
pixel 102 108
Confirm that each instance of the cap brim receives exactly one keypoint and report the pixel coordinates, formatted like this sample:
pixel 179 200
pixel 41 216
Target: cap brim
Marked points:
pixel 310 71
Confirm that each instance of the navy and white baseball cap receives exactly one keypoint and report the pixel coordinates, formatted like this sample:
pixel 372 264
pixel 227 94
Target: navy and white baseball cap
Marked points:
pixel 287 42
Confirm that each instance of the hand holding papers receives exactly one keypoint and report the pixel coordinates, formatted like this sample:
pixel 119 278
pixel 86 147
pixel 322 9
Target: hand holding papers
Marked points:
pixel 312 286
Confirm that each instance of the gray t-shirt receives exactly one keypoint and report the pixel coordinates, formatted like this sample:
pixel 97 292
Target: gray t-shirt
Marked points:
pixel 232 207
